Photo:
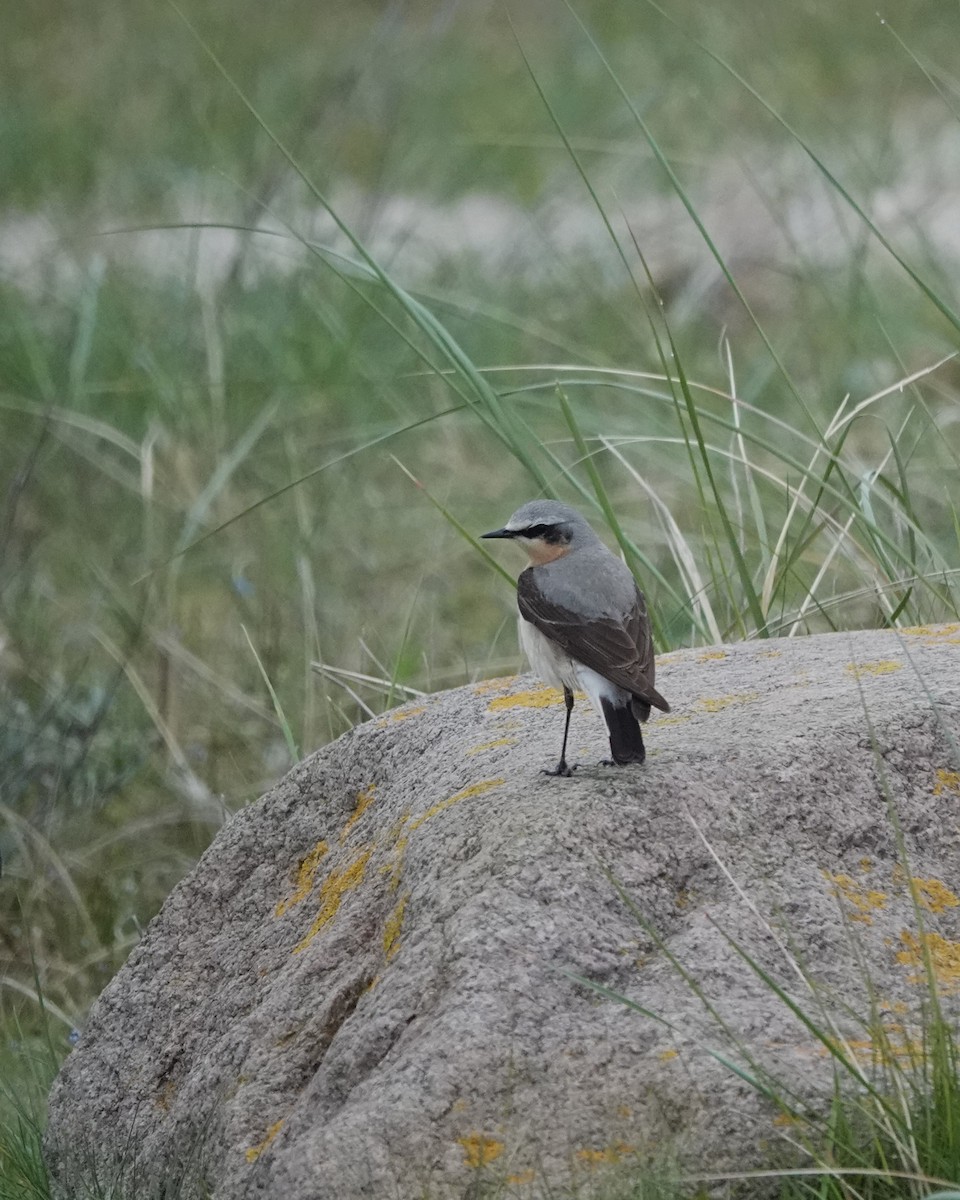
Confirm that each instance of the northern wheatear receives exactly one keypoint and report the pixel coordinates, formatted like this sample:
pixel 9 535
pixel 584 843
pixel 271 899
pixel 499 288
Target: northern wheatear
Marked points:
pixel 583 624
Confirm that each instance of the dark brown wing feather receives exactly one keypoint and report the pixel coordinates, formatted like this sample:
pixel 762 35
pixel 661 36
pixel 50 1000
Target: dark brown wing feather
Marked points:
pixel 621 651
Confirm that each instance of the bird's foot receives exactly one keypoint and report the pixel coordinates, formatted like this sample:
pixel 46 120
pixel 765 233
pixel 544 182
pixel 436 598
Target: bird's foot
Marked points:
pixel 612 762
pixel 561 769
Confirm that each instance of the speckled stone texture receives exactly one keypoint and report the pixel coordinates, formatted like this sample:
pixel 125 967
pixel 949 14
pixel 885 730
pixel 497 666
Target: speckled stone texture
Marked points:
pixel 369 985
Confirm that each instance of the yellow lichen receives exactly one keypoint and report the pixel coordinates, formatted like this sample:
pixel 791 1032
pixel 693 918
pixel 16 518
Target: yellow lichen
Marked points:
pixel 890 1046
pixel 303 884
pixel 907 1051
pixel 537 698
pixel 944 957
pixel 624 1111
pixel 675 719
pixel 712 705
pixel 391 931
pixel 476 789
pixel 403 828
pixel 504 741
pixel 933 895
pixel 862 900
pixel 495 685
pixel 886 667
pixel 478 1149
pixel 947 781
pixel 364 800
pixel 403 714
pixel 255 1151
pixel 933 631
pixel 785 1119
pixel 609 1154
pixel 521 1177
pixel 394 868
pixel 667 1055
pixel 332 890
pixel 711 655
pixel 858 1048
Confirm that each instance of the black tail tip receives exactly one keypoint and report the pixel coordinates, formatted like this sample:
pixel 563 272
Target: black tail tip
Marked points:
pixel 626 740
pixel 634 758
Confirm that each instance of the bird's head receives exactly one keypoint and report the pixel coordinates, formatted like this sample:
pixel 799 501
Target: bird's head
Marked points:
pixel 546 529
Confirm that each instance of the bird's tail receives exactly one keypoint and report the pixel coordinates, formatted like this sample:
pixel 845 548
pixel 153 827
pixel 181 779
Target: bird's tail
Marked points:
pixel 626 740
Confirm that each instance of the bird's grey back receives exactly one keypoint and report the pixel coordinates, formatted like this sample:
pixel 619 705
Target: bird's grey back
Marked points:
pixel 589 580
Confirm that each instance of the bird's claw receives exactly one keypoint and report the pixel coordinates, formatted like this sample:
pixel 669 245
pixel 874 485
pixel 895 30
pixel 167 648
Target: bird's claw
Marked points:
pixel 561 769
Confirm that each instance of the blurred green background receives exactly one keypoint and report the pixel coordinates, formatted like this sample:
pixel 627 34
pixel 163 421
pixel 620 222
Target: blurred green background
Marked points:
pixel 186 331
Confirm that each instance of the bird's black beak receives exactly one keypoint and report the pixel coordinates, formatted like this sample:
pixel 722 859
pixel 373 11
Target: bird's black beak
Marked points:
pixel 504 533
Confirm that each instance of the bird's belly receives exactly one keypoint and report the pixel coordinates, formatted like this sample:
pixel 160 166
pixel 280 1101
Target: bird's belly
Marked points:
pixel 546 659
pixel 554 666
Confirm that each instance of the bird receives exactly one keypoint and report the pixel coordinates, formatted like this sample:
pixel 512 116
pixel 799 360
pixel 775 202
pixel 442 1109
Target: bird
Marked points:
pixel 583 624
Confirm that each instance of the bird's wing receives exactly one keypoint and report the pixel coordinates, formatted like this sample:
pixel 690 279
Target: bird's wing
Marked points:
pixel 621 651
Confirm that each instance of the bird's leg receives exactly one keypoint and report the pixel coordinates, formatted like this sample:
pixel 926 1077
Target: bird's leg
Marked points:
pixel 562 768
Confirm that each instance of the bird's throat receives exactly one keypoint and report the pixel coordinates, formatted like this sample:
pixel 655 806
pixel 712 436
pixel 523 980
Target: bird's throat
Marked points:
pixel 543 552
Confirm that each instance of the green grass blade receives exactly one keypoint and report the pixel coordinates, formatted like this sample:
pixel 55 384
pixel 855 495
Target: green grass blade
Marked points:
pixel 221 476
pixel 480 395
pixel 824 170
pixel 687 203
pixel 294 483
pixel 288 737
pixel 448 516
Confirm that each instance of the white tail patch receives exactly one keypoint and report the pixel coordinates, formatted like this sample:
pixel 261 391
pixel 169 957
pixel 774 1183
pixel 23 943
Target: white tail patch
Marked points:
pixel 597 688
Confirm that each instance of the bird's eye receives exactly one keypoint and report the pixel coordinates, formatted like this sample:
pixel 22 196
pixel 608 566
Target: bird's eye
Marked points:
pixel 535 531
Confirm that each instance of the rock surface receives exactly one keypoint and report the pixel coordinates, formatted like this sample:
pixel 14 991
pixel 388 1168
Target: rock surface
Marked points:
pixel 370 985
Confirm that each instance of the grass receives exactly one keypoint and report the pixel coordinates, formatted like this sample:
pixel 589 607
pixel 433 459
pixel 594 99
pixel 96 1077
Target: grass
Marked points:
pixel 223 472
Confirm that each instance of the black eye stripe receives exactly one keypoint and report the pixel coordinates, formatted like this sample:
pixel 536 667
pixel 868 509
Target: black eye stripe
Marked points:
pixel 552 534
